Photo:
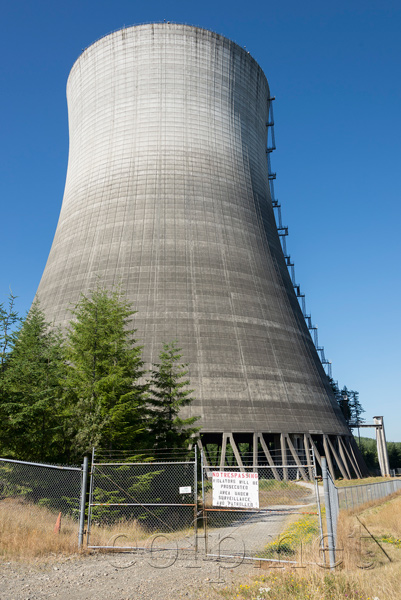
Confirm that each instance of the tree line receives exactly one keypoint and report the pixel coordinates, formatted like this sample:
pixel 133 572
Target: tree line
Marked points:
pixel 368 447
pixel 352 410
pixel 63 393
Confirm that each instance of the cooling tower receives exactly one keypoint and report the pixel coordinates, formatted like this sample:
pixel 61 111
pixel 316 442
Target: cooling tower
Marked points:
pixel 167 194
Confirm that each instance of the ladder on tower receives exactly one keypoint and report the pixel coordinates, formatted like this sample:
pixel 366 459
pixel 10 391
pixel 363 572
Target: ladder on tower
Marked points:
pixel 282 231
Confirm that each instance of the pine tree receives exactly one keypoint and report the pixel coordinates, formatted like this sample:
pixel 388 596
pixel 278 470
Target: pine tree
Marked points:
pixel 348 401
pixel 9 320
pixel 168 394
pixel 32 390
pixel 341 400
pixel 345 404
pixel 356 408
pixel 103 374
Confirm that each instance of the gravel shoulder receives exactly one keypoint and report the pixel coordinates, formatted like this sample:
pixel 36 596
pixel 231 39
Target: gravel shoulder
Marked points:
pixel 104 577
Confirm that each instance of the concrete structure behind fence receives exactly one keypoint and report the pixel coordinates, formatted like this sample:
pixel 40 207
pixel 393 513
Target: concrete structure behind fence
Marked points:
pixel 167 193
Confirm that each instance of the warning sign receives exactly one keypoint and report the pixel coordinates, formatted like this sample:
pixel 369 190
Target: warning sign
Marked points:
pixel 235 490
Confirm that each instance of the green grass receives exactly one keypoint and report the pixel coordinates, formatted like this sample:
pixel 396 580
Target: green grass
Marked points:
pixel 300 533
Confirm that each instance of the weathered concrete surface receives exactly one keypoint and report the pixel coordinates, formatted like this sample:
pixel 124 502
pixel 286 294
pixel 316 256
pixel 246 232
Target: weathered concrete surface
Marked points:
pixel 167 193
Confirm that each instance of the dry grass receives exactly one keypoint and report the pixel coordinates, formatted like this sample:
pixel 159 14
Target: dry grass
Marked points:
pixel 364 481
pixel 316 584
pixel 368 570
pixel 378 519
pixel 27 531
pixel 131 534
pixel 381 513
pixel 272 492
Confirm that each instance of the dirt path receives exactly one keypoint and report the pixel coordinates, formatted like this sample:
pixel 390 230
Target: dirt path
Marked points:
pixel 252 532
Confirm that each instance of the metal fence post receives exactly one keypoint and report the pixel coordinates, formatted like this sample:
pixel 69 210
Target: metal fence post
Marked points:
pixel 329 516
pixel 319 508
pixel 204 514
pixel 202 478
pixel 196 497
pixel 83 502
pixel 90 496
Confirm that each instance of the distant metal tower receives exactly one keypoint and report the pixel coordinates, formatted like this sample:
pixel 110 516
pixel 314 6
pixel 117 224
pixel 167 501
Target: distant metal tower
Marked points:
pixel 381 443
pixel 168 193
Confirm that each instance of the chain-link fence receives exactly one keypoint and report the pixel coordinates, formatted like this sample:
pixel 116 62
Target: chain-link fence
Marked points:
pixel 150 501
pixel 352 496
pixel 38 500
pixel 348 497
pixel 332 510
pixel 263 512
pixel 133 502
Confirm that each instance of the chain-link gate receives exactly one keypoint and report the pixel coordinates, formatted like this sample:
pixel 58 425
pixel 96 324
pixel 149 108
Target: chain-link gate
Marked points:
pixel 142 503
pixel 263 512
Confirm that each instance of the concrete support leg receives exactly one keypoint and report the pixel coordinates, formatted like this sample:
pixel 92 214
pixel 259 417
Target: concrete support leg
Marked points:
pixel 337 458
pixel 296 458
pixel 236 453
pixel 202 451
pixel 344 459
pixel 382 447
pixel 223 451
pixel 351 455
pixel 308 457
pixel 359 458
pixel 284 461
pixel 269 457
pixel 315 450
pixel 255 448
pixel 328 456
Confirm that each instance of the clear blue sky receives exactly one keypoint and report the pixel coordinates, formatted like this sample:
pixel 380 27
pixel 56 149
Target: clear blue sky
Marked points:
pixel 335 71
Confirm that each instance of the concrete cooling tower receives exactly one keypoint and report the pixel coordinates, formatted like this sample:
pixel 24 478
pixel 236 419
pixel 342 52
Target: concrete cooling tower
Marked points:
pixel 167 194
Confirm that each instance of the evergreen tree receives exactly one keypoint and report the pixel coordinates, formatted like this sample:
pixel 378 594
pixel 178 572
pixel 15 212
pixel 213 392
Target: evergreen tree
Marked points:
pixel 103 373
pixel 344 401
pixel 348 401
pixel 9 320
pixel 394 454
pixel 32 391
pixel 168 394
pixel 355 407
pixel 368 447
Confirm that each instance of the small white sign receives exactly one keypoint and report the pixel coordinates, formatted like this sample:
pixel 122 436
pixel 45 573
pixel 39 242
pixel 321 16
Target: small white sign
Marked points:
pixel 235 490
pixel 186 489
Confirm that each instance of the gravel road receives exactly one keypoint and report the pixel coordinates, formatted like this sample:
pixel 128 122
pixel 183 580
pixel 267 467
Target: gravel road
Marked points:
pixel 159 575
pixel 98 577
